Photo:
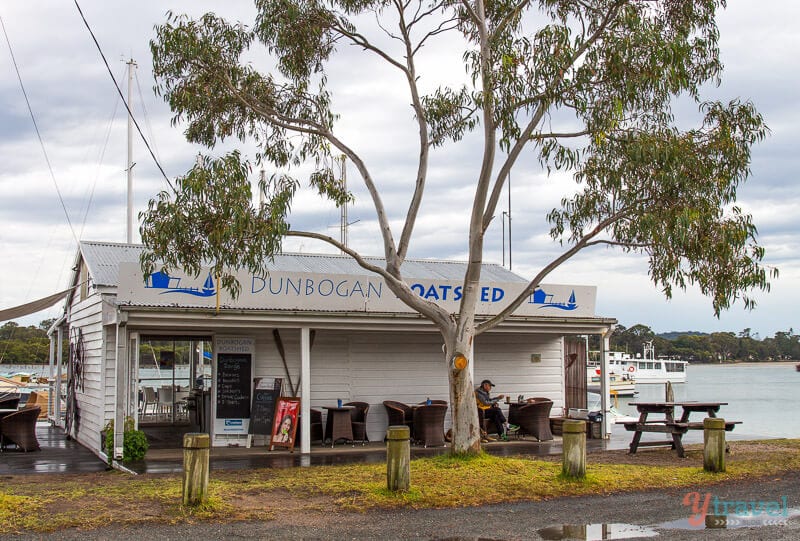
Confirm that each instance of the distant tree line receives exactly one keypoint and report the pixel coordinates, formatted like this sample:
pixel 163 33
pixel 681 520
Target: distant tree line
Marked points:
pixel 716 347
pixel 25 345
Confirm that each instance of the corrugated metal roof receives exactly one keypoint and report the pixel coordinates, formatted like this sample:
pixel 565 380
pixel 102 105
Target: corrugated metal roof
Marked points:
pixel 103 259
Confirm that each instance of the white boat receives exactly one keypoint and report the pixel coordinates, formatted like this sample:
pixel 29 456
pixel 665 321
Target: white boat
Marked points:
pixel 619 383
pixel 648 369
pixel 614 415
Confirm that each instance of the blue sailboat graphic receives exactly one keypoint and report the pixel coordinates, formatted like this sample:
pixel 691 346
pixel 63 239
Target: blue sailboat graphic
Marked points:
pixel 540 296
pixel 170 284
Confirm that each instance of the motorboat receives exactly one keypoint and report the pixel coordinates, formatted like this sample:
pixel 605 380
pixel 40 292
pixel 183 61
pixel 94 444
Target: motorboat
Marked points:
pixel 648 369
pixel 619 384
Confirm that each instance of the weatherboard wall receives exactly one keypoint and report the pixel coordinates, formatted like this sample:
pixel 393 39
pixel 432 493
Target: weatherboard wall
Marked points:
pixel 369 366
pixel 87 316
pixel 408 367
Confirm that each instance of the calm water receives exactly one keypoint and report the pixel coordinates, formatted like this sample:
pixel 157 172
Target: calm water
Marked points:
pixel 765 397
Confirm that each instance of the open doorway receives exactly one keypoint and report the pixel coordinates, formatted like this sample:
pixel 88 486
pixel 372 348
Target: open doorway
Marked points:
pixel 174 382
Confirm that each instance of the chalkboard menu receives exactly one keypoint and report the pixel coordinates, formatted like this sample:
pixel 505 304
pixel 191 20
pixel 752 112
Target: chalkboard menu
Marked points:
pixel 233 385
pixel 262 411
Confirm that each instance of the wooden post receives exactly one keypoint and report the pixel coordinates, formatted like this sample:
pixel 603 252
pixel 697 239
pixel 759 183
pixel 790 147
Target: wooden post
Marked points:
pixel 195 467
pixel 574 449
pixel 398 458
pixel 669 394
pixel 714 444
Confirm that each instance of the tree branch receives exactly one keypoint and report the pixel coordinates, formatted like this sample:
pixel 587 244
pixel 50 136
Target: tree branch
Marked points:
pixel 395 282
pixel 295 124
pixel 537 280
pixel 507 19
pixel 636 245
pixel 471 12
pixel 424 148
pixel 527 135
pixel 521 142
pixel 476 232
pixel 565 135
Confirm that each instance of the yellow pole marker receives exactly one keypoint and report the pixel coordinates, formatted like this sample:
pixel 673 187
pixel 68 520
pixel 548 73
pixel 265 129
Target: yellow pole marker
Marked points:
pixel 217 293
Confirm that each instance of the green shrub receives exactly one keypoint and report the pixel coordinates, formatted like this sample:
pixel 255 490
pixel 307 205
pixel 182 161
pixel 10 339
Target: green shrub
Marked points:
pixel 134 444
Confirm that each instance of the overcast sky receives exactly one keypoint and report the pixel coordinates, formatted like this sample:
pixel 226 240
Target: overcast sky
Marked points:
pixel 83 132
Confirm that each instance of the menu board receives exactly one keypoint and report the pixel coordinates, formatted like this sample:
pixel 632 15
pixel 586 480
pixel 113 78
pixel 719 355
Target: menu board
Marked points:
pixel 233 385
pixel 265 395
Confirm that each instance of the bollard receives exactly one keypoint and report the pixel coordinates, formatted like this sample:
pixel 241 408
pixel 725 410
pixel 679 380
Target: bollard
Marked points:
pixel 714 444
pixel 195 467
pixel 573 434
pixel 398 458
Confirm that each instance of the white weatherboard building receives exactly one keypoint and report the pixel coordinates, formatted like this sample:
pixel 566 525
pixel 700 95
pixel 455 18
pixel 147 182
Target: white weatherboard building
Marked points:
pixel 177 355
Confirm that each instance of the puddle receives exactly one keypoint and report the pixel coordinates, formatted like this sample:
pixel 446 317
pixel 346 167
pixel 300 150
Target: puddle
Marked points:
pixel 730 522
pixel 600 532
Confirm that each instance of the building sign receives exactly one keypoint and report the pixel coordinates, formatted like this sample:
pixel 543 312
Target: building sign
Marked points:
pixel 338 292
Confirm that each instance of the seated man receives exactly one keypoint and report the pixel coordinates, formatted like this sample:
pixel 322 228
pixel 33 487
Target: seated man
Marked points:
pixel 492 411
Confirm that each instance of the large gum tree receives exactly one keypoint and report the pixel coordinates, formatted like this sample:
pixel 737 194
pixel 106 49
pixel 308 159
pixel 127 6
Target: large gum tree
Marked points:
pixel 586 86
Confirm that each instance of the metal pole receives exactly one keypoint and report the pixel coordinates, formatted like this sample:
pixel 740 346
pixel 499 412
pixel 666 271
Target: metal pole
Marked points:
pixel 503 220
pixel 605 345
pixel 131 66
pixel 509 220
pixel 343 227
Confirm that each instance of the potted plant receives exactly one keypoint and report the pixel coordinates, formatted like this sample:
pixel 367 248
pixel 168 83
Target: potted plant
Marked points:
pixel 134 445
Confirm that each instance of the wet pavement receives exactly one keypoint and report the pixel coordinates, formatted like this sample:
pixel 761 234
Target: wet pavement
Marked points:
pixel 59 454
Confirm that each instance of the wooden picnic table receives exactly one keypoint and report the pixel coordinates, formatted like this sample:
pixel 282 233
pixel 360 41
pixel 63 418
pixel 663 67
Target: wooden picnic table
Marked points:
pixel 668 424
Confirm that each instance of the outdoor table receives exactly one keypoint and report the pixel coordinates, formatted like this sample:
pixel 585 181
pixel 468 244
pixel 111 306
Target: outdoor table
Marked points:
pixel 512 411
pixel 339 424
pixel 668 425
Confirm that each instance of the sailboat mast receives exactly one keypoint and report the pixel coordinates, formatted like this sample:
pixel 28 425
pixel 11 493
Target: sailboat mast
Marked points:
pixel 131 67
pixel 343 223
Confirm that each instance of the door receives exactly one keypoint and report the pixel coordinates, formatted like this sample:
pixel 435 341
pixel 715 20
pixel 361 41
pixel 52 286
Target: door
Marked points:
pixel 575 372
pixel 172 372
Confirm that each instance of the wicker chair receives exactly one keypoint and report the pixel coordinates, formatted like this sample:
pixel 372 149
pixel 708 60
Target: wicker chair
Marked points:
pixel 9 402
pixel 440 402
pixel 535 399
pixel 358 420
pixel 317 429
pixel 400 414
pixel 429 425
pixel 20 429
pixel 534 418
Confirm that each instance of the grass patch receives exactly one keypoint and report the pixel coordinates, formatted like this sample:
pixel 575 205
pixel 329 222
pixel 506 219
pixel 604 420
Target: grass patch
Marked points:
pixel 28 504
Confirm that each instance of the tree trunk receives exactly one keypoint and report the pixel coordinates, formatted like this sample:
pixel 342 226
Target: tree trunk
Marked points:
pixel 466 430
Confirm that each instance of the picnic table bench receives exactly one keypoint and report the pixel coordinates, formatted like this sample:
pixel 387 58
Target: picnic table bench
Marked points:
pixel 668 424
pixel 728 425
